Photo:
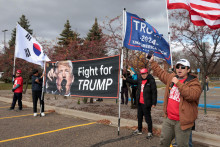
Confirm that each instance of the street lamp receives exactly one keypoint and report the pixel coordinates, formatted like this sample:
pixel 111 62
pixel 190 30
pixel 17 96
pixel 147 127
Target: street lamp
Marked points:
pixel 4 37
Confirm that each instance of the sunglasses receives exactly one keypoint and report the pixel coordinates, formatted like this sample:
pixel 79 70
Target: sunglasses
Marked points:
pixel 180 66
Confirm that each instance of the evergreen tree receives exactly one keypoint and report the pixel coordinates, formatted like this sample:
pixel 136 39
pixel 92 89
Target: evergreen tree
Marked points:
pixel 95 33
pixel 23 23
pixel 67 35
pixel 95 44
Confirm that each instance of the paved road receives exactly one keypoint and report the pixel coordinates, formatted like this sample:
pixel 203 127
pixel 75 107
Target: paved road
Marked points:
pixel 20 128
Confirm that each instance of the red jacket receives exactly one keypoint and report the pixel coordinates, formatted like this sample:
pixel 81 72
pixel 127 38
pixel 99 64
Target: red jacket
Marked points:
pixel 190 92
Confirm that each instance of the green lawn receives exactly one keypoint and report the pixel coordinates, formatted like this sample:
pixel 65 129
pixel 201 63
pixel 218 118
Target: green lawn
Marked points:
pixel 214 84
pixel 8 86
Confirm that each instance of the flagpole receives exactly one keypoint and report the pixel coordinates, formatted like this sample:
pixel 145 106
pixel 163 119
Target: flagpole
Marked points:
pixel 14 68
pixel 42 93
pixel 14 71
pixel 121 68
pixel 14 54
pixel 169 35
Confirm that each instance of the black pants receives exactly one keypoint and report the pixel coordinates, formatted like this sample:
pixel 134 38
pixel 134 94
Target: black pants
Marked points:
pixel 134 90
pixel 17 96
pixel 124 91
pixel 146 112
pixel 37 95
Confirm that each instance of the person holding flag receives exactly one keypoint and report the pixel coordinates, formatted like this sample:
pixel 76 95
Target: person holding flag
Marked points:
pixel 37 92
pixel 181 101
pixel 17 89
pixel 27 48
pixel 146 99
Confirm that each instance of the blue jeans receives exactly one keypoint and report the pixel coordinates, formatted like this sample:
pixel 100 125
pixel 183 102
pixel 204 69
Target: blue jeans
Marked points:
pixel 190 140
pixel 207 86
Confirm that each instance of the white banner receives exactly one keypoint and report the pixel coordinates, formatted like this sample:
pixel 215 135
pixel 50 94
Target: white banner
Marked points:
pixel 28 48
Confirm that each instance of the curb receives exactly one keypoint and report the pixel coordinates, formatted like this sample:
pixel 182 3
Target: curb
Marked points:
pixel 205 138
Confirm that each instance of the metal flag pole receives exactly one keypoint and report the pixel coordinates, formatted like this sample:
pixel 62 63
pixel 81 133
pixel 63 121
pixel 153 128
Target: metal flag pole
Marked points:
pixel 42 93
pixel 169 34
pixel 14 53
pixel 14 69
pixel 121 68
pixel 120 86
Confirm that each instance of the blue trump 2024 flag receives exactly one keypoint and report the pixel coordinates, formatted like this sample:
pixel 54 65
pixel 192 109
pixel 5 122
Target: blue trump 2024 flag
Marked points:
pixel 142 36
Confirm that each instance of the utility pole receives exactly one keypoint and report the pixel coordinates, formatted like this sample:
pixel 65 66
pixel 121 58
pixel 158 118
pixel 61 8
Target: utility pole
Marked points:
pixel 204 77
pixel 4 31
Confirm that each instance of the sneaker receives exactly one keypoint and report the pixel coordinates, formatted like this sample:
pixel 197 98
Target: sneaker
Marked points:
pixel 35 114
pixel 43 114
pixel 137 132
pixel 19 110
pixel 149 135
pixel 10 109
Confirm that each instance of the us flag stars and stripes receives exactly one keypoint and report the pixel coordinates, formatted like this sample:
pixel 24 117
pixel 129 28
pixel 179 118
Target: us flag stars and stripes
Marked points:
pixel 202 12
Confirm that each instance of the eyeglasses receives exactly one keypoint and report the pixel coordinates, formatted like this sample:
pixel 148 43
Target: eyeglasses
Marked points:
pixel 180 66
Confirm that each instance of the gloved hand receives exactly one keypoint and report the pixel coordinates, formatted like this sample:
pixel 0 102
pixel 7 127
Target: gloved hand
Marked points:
pixel 13 90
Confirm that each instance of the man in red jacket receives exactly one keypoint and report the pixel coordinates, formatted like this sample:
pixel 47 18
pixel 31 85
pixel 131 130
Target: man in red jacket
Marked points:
pixel 17 89
pixel 181 101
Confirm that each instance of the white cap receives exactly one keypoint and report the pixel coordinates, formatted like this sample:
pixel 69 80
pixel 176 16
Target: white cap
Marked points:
pixel 183 62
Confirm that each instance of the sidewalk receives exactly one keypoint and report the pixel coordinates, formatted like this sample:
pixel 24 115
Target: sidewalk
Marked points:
pixel 205 138
pixel 212 98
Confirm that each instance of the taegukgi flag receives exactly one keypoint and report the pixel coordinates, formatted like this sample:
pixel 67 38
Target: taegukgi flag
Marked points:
pixel 139 35
pixel 28 48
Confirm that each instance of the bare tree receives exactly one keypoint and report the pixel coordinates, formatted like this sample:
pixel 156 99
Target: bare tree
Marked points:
pixel 200 43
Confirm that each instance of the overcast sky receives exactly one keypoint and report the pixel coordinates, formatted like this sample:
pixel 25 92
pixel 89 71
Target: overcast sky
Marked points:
pixel 47 17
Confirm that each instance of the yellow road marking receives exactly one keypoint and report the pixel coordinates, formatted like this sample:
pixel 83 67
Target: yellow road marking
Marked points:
pixel 19 116
pixel 46 132
pixel 5 107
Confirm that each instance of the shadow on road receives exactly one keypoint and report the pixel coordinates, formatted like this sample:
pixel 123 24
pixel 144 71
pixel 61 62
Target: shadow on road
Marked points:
pixel 112 140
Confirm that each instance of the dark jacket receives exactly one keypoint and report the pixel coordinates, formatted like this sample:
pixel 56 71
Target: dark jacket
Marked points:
pixel 128 75
pixel 190 92
pixel 150 90
pixel 36 86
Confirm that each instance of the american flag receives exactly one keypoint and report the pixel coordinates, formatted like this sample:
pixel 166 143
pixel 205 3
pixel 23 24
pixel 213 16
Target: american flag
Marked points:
pixel 202 12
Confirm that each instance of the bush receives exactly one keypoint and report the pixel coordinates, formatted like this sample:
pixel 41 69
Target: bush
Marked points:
pixel 85 100
pixel 6 80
